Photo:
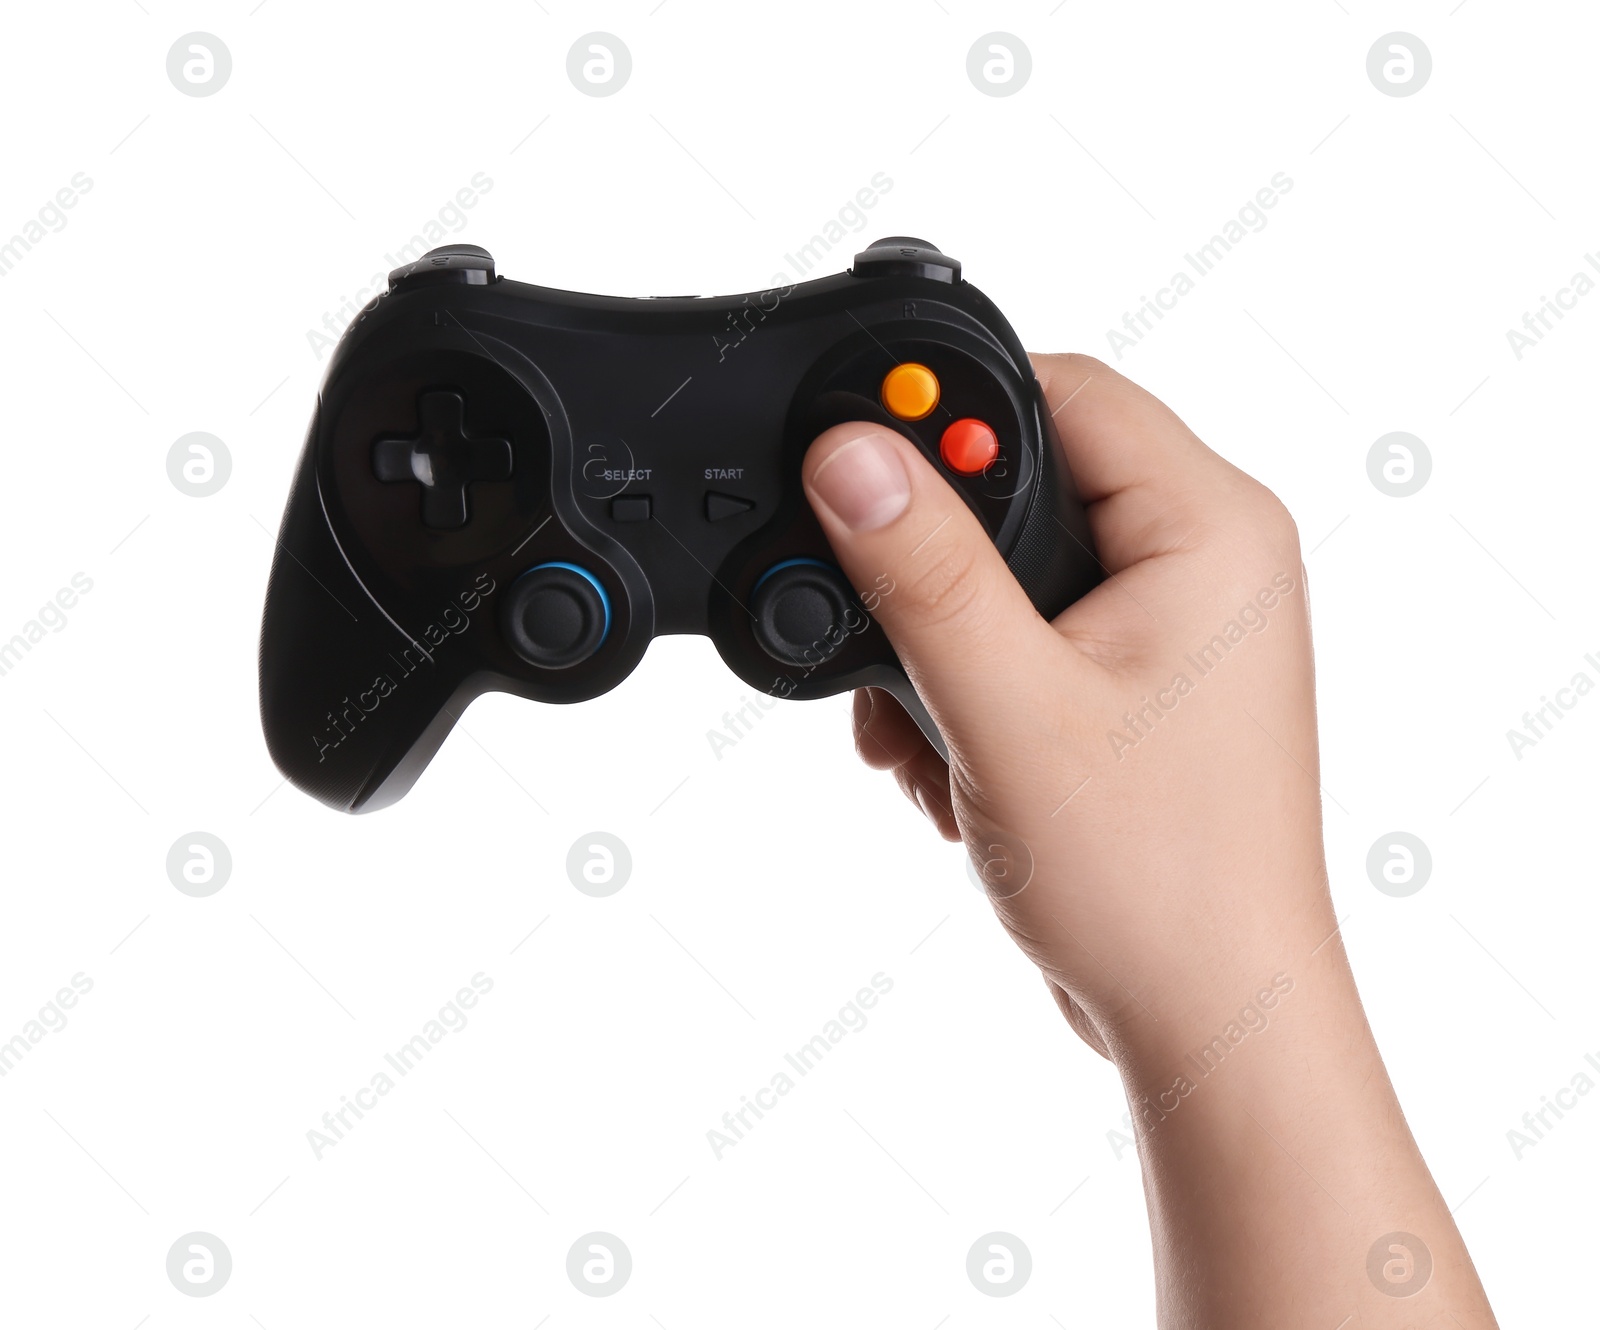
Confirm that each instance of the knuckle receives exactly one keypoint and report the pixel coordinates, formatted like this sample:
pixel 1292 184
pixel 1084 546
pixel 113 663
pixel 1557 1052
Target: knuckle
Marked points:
pixel 1271 516
pixel 1079 360
pixel 1056 368
pixel 1259 538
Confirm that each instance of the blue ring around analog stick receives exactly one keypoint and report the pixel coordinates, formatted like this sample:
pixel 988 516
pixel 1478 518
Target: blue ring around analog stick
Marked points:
pixel 591 579
pixel 797 608
pixel 548 615
pixel 793 563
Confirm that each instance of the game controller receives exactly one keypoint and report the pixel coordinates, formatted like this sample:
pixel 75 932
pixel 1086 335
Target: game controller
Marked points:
pixel 507 487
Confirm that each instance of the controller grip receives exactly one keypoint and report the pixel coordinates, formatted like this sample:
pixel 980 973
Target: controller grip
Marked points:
pixel 1054 558
pixel 351 707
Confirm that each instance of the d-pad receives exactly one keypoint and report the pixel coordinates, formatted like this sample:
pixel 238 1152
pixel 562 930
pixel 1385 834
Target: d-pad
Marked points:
pixel 443 458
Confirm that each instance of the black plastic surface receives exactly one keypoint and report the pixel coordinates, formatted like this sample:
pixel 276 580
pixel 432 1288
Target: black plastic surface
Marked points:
pixel 442 456
pixel 803 611
pixel 459 265
pixel 554 617
pixel 655 444
pixel 905 255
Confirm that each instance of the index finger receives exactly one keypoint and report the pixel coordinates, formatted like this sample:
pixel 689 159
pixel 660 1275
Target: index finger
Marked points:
pixel 1148 481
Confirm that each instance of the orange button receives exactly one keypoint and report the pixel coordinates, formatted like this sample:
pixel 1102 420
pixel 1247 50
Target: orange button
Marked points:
pixel 910 391
pixel 968 446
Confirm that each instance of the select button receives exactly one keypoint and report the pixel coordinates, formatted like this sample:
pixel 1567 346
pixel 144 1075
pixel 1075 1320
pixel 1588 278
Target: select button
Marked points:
pixel 631 508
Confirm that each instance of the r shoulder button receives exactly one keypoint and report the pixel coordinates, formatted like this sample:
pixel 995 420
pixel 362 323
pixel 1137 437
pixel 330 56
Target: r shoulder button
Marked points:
pixel 905 256
pixel 467 265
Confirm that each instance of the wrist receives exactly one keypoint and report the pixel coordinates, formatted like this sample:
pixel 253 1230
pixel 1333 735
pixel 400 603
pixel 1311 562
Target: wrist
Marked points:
pixel 1286 1142
pixel 1222 980
pixel 1287 996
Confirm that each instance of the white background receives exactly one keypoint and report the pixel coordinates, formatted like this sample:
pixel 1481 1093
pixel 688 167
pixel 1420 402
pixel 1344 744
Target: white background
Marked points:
pixel 769 885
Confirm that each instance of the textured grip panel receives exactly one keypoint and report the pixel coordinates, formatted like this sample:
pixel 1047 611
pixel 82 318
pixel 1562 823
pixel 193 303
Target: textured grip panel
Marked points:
pixel 1054 557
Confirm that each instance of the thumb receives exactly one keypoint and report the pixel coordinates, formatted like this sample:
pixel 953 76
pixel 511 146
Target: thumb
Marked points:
pixel 955 615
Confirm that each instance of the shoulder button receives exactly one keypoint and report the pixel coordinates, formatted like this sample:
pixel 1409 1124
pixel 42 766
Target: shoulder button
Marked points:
pixel 469 265
pixel 905 256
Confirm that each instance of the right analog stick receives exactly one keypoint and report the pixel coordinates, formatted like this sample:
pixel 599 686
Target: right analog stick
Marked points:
pixel 556 615
pixel 803 611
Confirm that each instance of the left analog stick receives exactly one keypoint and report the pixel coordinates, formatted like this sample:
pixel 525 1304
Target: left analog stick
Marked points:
pixel 556 615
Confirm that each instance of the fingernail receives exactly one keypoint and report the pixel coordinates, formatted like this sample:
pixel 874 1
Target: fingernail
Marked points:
pixel 863 482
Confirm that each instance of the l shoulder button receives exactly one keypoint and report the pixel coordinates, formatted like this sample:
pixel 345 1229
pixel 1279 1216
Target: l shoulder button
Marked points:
pixel 469 265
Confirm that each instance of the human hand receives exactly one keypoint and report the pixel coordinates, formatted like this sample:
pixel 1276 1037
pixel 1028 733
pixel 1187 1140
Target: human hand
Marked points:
pixel 1138 778
pixel 1138 783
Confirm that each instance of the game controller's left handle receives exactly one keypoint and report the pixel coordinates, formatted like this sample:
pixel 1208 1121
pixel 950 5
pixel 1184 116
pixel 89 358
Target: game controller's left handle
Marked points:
pixel 342 720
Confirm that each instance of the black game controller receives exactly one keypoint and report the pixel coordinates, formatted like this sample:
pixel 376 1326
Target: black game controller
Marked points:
pixel 507 487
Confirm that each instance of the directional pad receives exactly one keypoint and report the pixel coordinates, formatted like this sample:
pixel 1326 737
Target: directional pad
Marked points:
pixel 442 458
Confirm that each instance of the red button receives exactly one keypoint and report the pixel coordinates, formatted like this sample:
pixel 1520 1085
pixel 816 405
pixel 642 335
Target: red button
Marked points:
pixel 968 446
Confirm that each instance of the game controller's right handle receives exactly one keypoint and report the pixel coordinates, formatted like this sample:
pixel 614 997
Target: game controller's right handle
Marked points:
pixel 1053 556
pixel 901 689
